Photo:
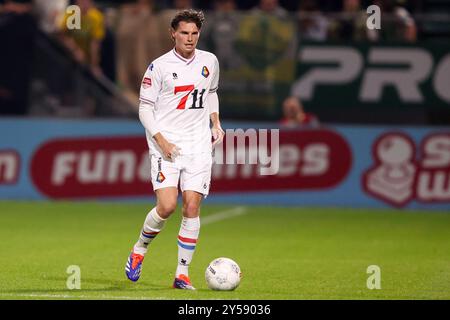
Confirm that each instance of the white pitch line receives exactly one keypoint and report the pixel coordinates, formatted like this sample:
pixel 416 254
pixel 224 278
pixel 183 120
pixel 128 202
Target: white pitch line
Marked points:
pixel 105 297
pixel 67 296
pixel 227 214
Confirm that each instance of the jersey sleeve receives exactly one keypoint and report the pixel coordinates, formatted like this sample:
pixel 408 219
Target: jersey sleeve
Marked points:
pixel 151 84
pixel 215 80
pixel 213 102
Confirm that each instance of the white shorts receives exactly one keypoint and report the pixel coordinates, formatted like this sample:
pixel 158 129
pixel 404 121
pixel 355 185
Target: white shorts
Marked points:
pixel 192 171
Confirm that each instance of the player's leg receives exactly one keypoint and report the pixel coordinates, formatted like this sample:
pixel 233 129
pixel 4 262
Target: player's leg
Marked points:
pixel 187 237
pixel 166 203
pixel 195 181
pixel 165 175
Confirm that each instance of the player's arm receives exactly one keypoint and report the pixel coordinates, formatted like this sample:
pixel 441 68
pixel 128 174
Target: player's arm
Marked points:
pixel 216 129
pixel 148 120
pixel 213 105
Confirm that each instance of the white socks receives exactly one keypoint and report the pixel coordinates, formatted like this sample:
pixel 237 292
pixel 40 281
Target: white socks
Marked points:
pixel 187 240
pixel 152 226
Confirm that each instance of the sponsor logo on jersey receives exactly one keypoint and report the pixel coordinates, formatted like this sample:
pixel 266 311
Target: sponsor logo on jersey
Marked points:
pixel 146 83
pixel 205 72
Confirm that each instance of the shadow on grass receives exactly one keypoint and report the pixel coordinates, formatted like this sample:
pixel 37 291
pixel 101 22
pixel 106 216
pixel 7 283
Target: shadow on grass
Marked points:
pixel 109 285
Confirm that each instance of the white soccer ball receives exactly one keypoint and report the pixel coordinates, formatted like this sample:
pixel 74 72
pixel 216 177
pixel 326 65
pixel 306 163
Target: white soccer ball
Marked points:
pixel 223 274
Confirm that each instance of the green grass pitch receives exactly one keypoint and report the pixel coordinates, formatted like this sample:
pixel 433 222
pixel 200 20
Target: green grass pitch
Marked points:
pixel 284 253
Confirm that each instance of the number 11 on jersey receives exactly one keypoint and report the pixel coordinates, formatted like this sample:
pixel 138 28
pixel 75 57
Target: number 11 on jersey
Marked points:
pixel 189 89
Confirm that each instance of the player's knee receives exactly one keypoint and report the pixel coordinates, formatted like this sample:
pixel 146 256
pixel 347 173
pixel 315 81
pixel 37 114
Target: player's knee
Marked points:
pixel 166 208
pixel 191 209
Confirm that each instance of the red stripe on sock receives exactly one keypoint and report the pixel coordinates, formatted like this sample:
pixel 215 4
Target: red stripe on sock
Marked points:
pixel 189 240
pixel 152 232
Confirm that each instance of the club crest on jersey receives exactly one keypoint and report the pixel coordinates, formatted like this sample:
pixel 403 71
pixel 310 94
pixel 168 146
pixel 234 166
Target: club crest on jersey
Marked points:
pixel 205 72
pixel 151 67
pixel 146 83
pixel 160 177
pixel 175 76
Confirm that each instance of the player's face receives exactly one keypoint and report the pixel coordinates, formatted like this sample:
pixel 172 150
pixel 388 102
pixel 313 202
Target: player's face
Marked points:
pixel 186 38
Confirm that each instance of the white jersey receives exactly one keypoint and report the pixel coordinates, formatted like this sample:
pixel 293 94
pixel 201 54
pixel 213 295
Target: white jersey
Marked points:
pixel 178 88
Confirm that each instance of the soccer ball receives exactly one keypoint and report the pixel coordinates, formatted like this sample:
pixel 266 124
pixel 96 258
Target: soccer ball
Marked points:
pixel 223 274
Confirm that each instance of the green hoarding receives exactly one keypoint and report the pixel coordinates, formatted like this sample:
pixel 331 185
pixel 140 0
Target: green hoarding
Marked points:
pixel 263 60
pixel 373 76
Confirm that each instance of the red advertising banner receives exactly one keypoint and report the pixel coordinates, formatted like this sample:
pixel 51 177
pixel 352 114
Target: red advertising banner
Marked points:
pixel 119 166
pixel 309 159
pixel 92 167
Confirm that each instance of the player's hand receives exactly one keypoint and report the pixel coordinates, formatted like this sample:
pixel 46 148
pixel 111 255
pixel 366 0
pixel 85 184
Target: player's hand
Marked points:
pixel 217 134
pixel 170 151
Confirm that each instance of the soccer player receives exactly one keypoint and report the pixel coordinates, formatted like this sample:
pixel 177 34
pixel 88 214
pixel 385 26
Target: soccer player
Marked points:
pixel 178 104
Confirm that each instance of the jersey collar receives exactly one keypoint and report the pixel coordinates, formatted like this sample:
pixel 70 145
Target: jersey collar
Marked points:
pixel 183 59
